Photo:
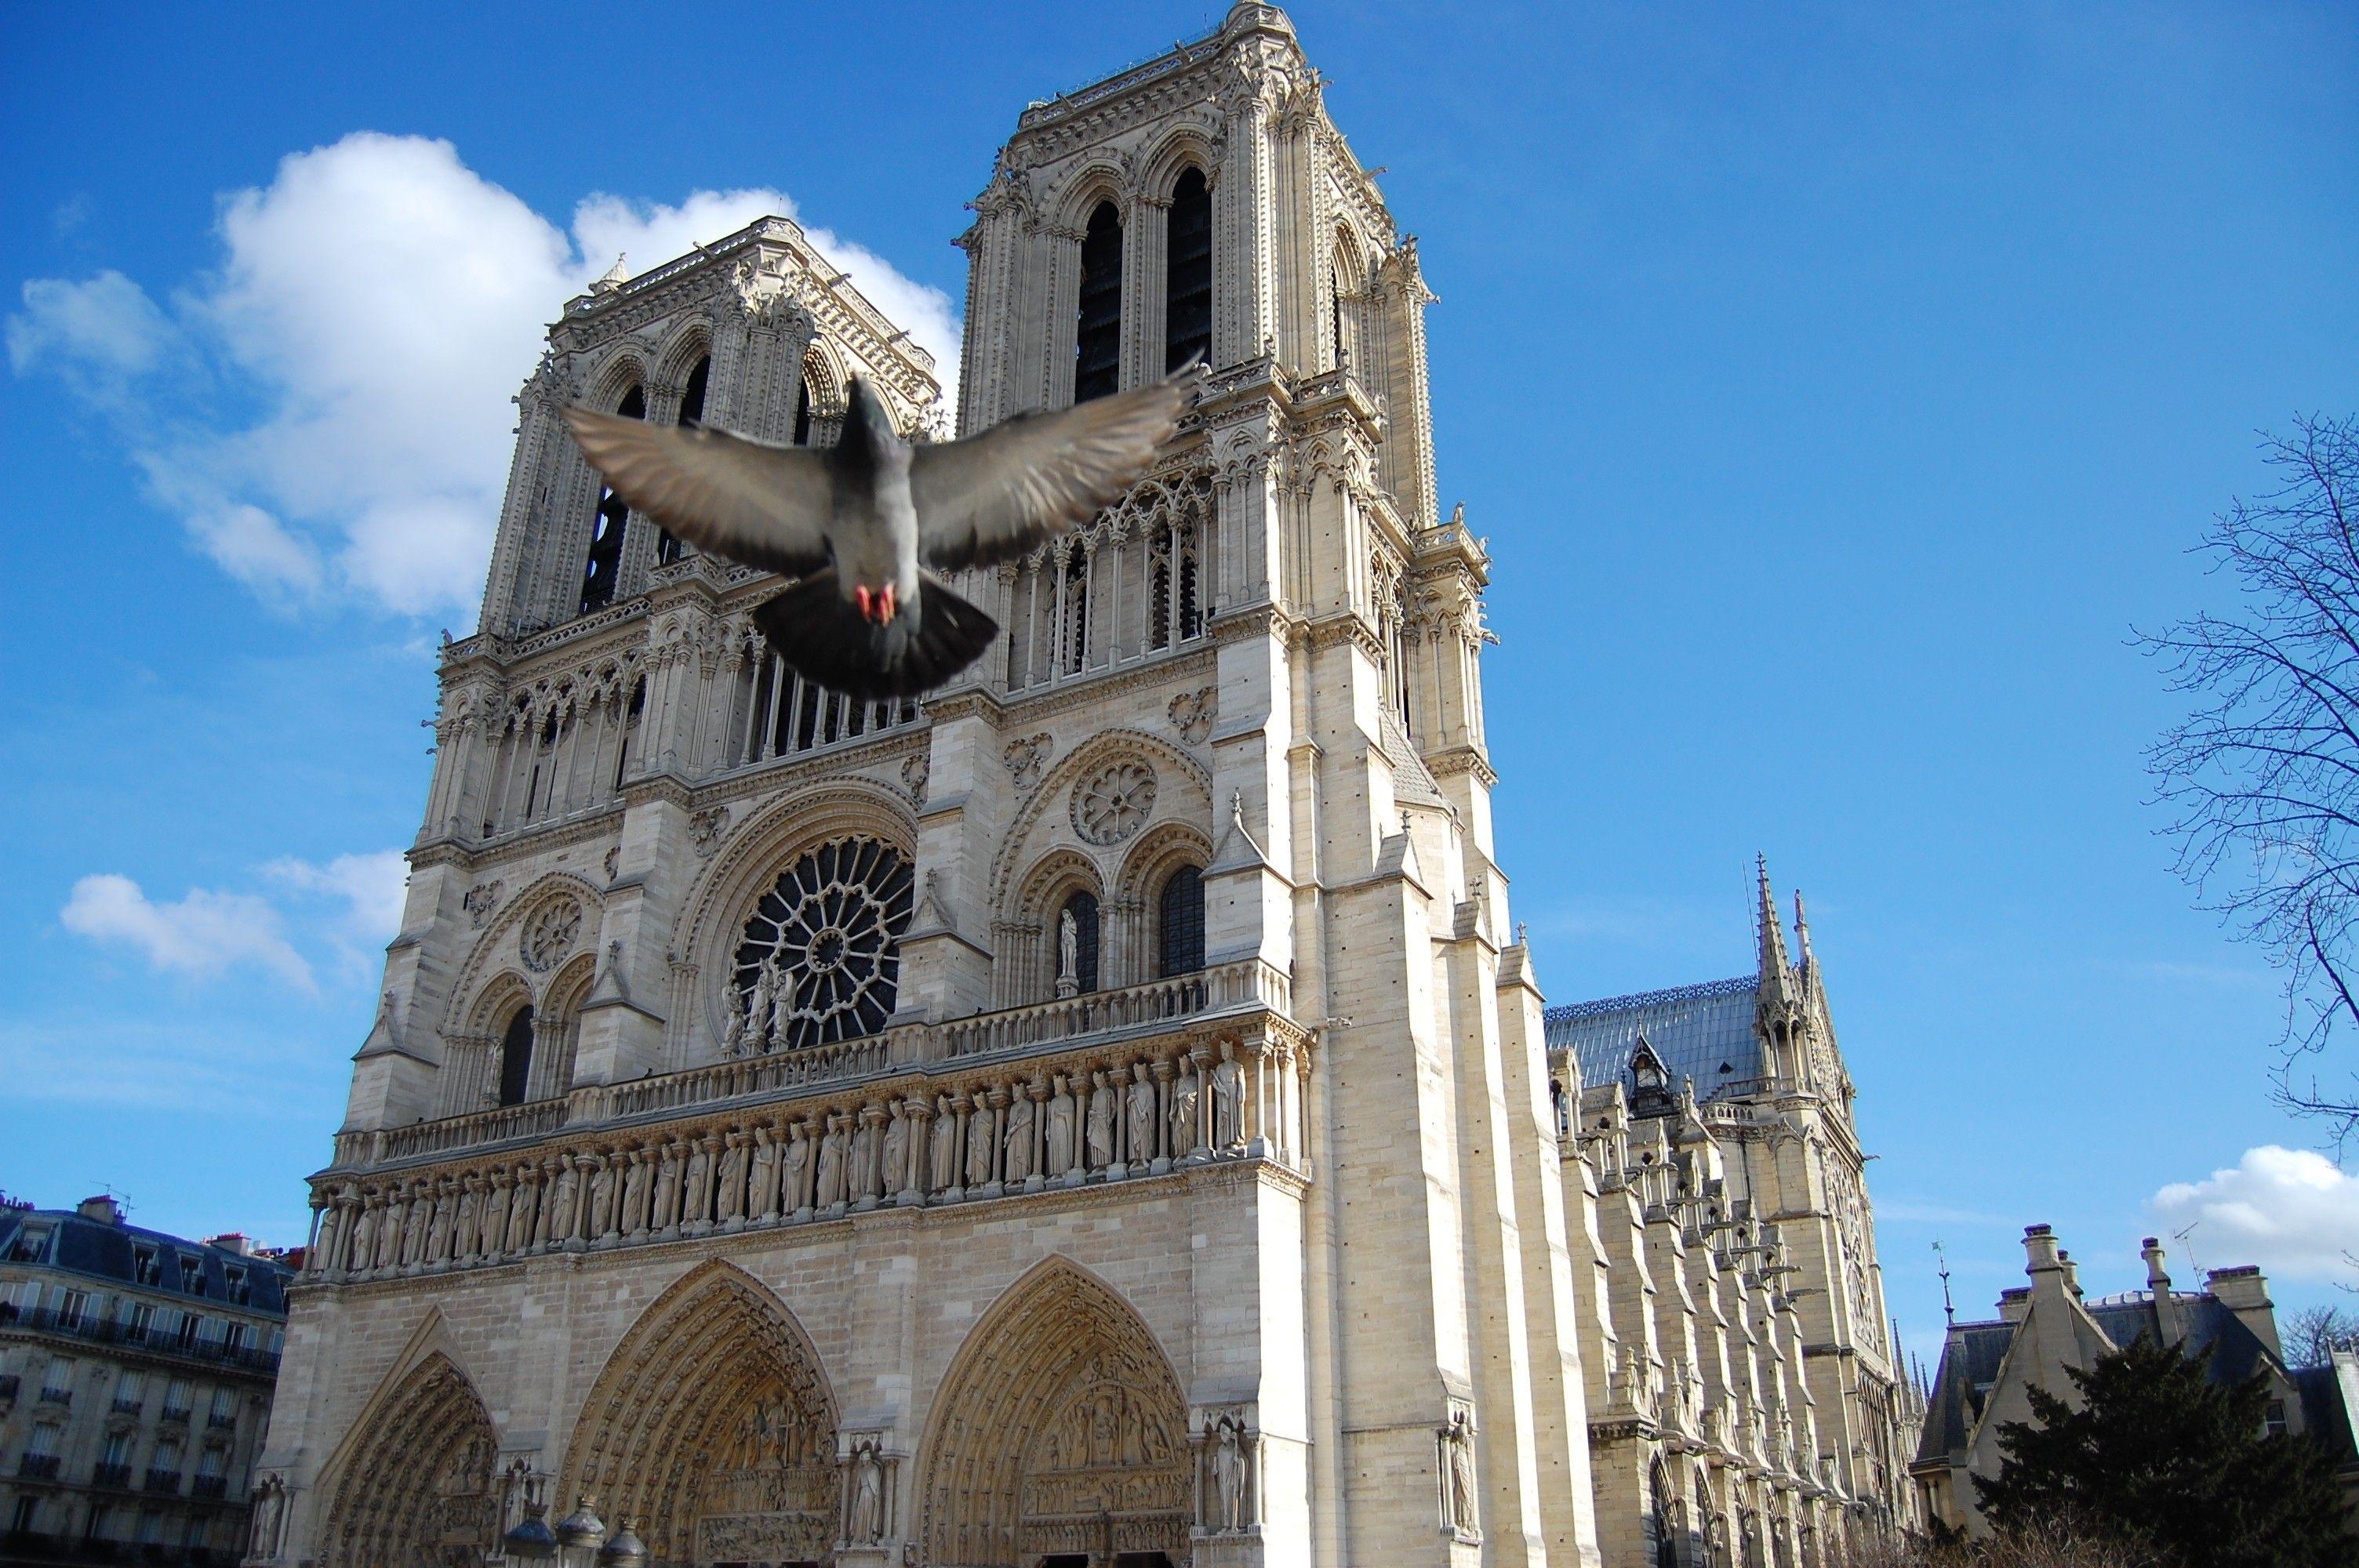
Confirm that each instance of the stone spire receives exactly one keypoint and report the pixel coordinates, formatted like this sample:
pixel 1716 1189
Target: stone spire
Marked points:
pixel 616 276
pixel 1776 971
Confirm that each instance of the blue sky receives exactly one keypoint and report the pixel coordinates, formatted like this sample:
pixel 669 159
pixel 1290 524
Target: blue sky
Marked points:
pixel 1837 387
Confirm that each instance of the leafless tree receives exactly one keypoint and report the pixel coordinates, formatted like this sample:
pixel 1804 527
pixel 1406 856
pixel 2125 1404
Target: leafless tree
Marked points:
pixel 2264 774
pixel 2313 1334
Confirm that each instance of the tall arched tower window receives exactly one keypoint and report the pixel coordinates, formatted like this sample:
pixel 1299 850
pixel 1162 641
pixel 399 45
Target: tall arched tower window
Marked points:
pixel 803 407
pixel 1187 272
pixel 515 1057
pixel 1097 340
pixel 1083 907
pixel 1180 913
pixel 606 558
pixel 692 412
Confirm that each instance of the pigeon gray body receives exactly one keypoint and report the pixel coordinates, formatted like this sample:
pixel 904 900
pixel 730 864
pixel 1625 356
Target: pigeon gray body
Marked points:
pixel 864 525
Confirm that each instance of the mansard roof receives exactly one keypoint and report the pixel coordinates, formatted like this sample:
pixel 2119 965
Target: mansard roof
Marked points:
pixel 1704 1031
pixel 73 1243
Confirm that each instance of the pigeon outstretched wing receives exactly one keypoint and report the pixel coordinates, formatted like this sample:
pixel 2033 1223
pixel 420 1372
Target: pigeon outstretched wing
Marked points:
pixel 764 505
pixel 995 495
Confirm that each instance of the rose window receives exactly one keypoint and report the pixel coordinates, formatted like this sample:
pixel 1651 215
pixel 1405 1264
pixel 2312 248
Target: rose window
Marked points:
pixel 820 957
pixel 1114 802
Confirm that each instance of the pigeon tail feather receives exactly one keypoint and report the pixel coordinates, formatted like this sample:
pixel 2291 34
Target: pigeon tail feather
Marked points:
pixel 814 628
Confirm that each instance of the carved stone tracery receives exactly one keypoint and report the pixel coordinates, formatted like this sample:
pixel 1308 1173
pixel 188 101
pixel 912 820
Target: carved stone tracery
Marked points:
pixel 416 1488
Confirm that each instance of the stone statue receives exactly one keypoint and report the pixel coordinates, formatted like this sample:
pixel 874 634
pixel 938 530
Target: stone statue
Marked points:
pixel 1068 952
pixel 733 1178
pixel 858 1175
pixel 942 1159
pixel 1060 1130
pixel 1461 1474
pixel 896 1150
pixel 269 1519
pixel 1228 1095
pixel 1186 1137
pixel 695 1196
pixel 637 1179
pixel 979 1148
pixel 762 1201
pixel 795 1167
pixel 495 1214
pixel 831 1163
pixel 1101 1123
pixel 1229 1477
pixel 1141 1128
pixel 1021 1136
pixel 761 1003
pixel 867 1496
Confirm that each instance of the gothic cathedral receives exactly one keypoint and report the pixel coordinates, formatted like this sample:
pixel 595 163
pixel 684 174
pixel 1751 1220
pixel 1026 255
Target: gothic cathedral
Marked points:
pixel 1101 1115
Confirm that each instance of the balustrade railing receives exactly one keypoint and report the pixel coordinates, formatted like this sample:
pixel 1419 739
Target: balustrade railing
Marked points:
pixel 1110 1102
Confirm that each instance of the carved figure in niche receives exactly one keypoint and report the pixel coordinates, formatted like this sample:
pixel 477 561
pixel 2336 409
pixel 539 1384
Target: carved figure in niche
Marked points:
pixel 1020 1134
pixel 978 1145
pixel 1060 1130
pixel 1142 1116
pixel 896 1150
pixel 764 1026
pixel 463 1244
pixel 602 1198
pixel 1185 1135
pixel 867 1496
pixel 733 1038
pixel 1068 952
pixel 636 1180
pixel 942 1159
pixel 362 1249
pixel 1228 1095
pixel 270 1515
pixel 733 1178
pixel 667 1207
pixel 1457 1453
pixel 858 1182
pixel 795 1168
pixel 831 1163
pixel 1101 1123
pixel 696 1202
pixel 1229 1477
pixel 763 1199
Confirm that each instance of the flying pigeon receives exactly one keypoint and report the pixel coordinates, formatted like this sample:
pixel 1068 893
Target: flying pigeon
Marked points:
pixel 864 525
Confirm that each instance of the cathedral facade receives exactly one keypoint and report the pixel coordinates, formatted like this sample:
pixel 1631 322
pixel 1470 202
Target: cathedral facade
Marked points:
pixel 1098 1115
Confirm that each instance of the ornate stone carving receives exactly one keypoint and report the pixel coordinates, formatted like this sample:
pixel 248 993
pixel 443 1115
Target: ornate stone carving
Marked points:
pixel 916 768
pixel 480 901
pixel 1115 801
pixel 549 934
pixel 705 828
pixel 1455 1447
pixel 1026 759
pixel 1192 714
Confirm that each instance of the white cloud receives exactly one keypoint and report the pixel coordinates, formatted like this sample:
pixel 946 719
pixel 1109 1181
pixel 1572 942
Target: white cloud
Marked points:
pixel 377 306
pixel 2292 1211
pixel 373 888
pixel 98 334
pixel 204 933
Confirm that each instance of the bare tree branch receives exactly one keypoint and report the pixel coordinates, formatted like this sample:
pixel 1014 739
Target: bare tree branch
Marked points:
pixel 2264 771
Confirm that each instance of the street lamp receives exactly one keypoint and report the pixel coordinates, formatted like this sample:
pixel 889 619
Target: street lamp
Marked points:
pixel 580 1534
pixel 532 1540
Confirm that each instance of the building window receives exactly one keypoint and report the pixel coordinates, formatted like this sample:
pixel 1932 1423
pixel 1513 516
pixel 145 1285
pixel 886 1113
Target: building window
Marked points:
pixel 606 559
pixel 1097 340
pixel 1181 908
pixel 692 412
pixel 175 1399
pixel 26 1518
pixel 29 1245
pixel 192 1326
pixel 148 1265
pixel 130 1391
pixel 237 1290
pixel 515 1057
pixel 192 1275
pixel 1077 610
pixel 224 1411
pixel 72 1305
pixel 2272 1419
pixel 100 1516
pixel 138 1322
pixel 1187 272
pixel 1082 908
pixel 57 1383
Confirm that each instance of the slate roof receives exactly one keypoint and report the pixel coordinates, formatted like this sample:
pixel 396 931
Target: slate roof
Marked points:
pixel 2325 1412
pixel 76 1244
pixel 1970 1358
pixel 1702 1031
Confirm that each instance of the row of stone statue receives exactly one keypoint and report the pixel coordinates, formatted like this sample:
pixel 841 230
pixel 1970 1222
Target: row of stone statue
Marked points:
pixel 1094 1123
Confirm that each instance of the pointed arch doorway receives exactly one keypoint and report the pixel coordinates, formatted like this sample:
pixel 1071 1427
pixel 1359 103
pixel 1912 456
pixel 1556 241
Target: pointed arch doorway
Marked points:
pixel 714 1428
pixel 1059 1437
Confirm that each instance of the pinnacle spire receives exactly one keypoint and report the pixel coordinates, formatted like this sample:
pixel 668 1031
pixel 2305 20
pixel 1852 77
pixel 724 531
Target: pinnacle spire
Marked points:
pixel 1770 933
pixel 1803 928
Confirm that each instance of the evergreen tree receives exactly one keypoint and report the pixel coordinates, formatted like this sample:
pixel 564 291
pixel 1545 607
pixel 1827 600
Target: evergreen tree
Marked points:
pixel 2159 1452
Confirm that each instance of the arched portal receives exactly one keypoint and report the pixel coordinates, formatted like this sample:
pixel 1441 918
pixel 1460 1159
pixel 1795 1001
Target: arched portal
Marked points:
pixel 712 1426
pixel 415 1484
pixel 1060 1435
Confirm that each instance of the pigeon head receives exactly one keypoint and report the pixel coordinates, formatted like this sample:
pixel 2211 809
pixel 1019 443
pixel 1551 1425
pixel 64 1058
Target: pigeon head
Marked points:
pixel 865 418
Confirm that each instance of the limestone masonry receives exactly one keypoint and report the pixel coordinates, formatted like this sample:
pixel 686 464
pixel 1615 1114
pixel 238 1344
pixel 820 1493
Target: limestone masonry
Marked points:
pixel 1102 1114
